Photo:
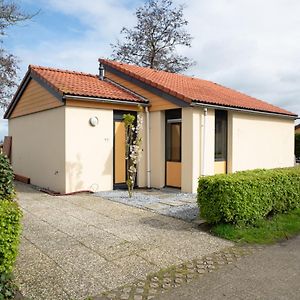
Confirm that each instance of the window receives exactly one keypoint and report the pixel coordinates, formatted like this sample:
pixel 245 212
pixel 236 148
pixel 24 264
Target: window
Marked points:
pixel 173 135
pixel 220 135
pixel 173 141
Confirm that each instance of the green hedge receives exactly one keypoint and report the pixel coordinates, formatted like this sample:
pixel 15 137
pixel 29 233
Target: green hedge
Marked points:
pixel 10 228
pixel 7 189
pixel 245 197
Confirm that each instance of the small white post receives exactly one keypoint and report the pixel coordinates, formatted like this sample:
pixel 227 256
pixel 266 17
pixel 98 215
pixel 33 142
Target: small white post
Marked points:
pixel 203 167
pixel 148 147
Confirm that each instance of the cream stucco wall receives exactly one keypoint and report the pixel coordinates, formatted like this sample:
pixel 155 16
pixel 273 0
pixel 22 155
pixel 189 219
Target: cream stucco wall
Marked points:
pixel 38 148
pixel 193 148
pixel 157 148
pixel 257 141
pixel 190 149
pixel 58 149
pixel 89 150
pixel 254 141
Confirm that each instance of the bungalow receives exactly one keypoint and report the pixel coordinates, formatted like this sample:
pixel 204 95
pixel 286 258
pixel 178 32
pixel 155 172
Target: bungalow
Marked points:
pixel 68 135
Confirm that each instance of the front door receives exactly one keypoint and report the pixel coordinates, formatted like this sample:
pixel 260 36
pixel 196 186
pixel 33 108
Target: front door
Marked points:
pixel 120 161
pixel 120 149
pixel 173 148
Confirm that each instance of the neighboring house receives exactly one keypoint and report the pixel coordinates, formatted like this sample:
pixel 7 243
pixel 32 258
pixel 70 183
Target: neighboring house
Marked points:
pixel 297 128
pixel 67 131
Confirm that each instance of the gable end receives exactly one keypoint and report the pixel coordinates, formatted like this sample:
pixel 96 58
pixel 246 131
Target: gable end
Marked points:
pixel 33 95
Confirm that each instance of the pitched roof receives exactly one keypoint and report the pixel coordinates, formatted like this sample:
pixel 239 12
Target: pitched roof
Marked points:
pixel 190 89
pixel 82 84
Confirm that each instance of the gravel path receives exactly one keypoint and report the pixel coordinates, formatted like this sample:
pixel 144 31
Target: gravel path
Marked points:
pixel 166 202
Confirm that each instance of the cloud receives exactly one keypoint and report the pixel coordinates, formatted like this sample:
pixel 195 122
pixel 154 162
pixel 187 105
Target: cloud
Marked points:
pixel 251 45
pixel 99 26
pixel 104 17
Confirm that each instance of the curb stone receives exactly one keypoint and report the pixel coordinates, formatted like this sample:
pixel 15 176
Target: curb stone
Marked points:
pixel 175 276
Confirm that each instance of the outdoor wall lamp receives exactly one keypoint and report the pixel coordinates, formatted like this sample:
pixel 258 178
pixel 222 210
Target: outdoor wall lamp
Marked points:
pixel 94 121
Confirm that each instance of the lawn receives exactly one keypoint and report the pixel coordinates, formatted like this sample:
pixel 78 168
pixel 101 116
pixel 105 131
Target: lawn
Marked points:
pixel 280 227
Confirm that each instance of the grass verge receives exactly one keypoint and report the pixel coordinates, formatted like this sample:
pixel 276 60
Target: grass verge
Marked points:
pixel 280 227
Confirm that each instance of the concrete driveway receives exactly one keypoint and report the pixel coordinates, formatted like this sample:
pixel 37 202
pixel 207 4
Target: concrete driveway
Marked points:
pixel 78 246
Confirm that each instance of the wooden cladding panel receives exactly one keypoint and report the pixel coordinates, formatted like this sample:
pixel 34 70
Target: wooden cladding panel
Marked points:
pixel 94 104
pixel 173 177
pixel 157 103
pixel 220 167
pixel 35 98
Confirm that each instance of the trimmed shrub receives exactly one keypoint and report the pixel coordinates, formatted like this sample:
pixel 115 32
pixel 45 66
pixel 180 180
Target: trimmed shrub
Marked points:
pixel 245 197
pixel 10 229
pixel 7 190
pixel 7 287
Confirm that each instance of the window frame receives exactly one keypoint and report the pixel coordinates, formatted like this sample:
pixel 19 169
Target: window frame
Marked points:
pixel 222 115
pixel 172 116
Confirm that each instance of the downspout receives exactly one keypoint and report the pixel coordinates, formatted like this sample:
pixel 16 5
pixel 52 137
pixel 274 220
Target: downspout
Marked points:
pixel 203 167
pixel 148 146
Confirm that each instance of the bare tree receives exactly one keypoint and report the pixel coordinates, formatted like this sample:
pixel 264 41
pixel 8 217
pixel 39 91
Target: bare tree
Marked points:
pixel 10 14
pixel 154 40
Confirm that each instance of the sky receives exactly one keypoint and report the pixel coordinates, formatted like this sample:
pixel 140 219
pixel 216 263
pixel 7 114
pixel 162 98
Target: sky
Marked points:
pixel 252 46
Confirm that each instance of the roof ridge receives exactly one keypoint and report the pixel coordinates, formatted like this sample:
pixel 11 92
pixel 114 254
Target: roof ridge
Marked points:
pixel 110 61
pixel 191 77
pixel 33 67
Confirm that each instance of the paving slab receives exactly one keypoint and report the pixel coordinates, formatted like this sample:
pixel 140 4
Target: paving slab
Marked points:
pixel 160 257
pixel 136 266
pixel 82 245
pixel 172 203
pixel 156 206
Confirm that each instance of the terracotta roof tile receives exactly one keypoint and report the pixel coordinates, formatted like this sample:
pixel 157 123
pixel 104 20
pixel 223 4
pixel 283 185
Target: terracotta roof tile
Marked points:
pixel 191 89
pixel 82 84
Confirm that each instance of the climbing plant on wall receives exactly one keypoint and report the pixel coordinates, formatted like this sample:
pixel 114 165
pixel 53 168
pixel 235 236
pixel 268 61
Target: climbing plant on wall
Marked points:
pixel 133 130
